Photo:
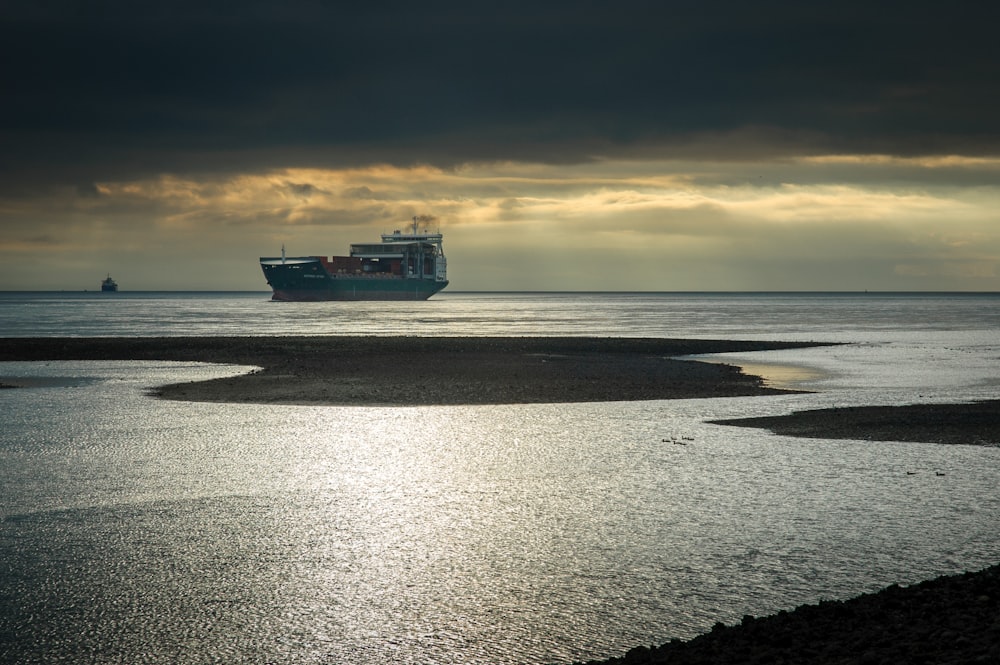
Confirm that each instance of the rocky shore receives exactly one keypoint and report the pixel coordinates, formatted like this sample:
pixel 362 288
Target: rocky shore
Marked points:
pixel 953 620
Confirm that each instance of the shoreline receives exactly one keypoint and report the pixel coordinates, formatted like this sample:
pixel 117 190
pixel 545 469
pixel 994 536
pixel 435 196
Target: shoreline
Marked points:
pixel 950 619
pixel 424 371
pixel 973 423
pixel 437 371
pixel 945 620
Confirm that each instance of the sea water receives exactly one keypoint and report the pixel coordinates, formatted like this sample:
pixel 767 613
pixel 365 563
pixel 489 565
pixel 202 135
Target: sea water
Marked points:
pixel 135 530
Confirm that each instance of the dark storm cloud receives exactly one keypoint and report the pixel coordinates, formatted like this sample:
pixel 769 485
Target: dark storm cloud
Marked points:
pixel 117 89
pixel 302 190
pixel 88 191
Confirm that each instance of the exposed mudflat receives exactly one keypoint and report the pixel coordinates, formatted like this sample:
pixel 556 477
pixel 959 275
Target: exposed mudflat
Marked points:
pixel 405 371
pixel 976 423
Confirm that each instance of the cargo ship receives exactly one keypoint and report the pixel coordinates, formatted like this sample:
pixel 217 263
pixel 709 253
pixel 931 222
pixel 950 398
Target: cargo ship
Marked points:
pixel 109 284
pixel 405 266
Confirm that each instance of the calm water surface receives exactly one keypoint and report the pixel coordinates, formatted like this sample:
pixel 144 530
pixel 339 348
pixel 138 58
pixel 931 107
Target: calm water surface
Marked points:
pixel 139 531
pixel 88 314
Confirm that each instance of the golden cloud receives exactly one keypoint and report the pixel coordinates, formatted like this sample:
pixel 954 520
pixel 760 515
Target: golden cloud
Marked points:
pixel 643 216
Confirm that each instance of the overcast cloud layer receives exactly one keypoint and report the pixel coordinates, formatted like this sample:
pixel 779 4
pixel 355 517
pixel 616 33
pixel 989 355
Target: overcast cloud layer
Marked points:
pixel 752 114
pixel 106 88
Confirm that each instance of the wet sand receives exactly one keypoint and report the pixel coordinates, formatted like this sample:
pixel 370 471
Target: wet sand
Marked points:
pixel 412 371
pixel 409 371
pixel 976 423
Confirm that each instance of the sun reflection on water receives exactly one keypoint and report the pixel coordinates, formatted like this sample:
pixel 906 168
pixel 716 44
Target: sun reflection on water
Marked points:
pixel 163 531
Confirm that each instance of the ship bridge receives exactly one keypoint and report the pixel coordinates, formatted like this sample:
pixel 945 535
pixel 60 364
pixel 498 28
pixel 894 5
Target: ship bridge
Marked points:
pixel 411 254
pixel 391 250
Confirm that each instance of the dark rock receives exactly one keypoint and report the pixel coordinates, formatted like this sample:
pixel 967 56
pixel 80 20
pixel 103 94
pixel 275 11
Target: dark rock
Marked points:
pixel 947 620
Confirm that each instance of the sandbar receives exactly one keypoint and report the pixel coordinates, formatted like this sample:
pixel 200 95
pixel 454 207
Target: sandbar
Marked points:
pixel 415 371
pixel 974 423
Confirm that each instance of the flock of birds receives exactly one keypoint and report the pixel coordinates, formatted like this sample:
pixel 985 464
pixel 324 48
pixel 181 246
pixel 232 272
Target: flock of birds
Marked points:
pixel 682 441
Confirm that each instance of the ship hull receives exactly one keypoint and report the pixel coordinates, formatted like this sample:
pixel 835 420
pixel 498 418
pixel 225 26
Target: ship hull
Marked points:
pixel 362 289
pixel 303 280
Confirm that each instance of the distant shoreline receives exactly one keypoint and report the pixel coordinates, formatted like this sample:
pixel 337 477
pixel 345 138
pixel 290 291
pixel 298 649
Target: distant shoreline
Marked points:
pixel 267 292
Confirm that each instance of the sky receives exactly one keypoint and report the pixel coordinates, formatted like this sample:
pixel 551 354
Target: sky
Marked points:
pixel 611 146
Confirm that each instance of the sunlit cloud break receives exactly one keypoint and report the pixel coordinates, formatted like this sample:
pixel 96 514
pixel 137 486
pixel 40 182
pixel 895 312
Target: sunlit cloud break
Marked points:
pixel 674 225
